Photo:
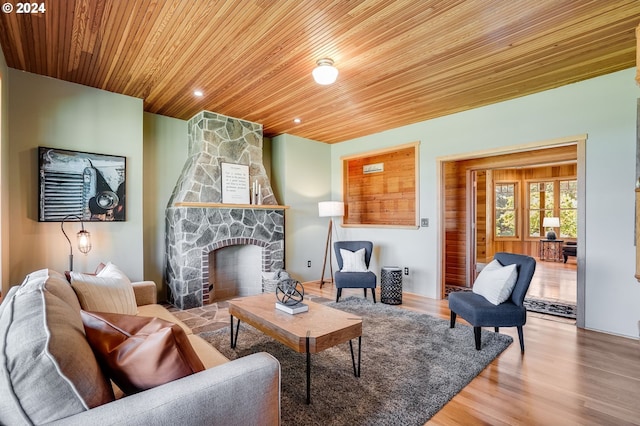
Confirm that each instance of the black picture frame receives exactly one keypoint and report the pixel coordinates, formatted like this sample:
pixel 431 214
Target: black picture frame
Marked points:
pixel 84 184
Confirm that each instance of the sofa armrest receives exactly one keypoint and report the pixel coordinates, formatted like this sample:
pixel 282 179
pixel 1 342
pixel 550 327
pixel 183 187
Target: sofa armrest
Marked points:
pixel 245 391
pixel 146 292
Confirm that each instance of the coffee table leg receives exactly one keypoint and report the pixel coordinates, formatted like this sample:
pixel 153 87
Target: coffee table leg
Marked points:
pixel 308 372
pixel 353 360
pixel 234 341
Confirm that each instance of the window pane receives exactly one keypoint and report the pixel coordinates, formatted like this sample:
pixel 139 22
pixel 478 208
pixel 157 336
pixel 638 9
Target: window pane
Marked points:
pixel 548 195
pixel 505 208
pixel 505 223
pixel 568 224
pixel 568 194
pixel 534 196
pixel 534 223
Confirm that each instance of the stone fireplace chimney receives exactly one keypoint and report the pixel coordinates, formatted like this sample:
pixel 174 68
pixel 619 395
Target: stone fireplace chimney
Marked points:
pixel 216 139
pixel 197 223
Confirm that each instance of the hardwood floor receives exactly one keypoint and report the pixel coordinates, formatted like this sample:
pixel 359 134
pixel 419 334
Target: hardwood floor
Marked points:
pixel 555 281
pixel 567 376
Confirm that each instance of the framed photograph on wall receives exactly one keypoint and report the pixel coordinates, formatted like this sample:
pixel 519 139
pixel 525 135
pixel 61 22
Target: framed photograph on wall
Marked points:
pixel 87 185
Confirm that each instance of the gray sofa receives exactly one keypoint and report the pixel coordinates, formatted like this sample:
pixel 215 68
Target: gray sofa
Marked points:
pixel 49 375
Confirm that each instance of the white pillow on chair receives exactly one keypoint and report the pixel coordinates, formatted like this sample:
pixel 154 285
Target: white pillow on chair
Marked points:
pixel 496 282
pixel 353 261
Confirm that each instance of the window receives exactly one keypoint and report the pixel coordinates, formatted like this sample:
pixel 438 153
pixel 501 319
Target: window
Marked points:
pixel 553 199
pixel 541 203
pixel 506 201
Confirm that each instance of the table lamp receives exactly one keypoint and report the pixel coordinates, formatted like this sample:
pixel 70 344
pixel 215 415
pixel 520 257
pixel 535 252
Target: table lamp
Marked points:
pixel 551 222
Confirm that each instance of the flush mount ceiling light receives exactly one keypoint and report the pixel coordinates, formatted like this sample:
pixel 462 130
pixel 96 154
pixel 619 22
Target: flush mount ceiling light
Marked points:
pixel 325 73
pixel 198 93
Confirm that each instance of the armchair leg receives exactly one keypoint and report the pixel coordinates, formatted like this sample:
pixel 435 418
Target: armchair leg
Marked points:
pixel 521 337
pixel 338 295
pixel 373 294
pixel 453 320
pixel 476 334
pixel 496 329
pixel 365 293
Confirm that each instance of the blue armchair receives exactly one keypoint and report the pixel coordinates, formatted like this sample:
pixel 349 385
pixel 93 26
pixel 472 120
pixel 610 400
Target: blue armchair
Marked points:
pixel 363 280
pixel 479 312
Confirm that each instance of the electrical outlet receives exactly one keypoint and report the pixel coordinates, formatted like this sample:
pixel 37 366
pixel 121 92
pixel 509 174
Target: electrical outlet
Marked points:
pixel 308 264
pixel 406 270
pixel 424 222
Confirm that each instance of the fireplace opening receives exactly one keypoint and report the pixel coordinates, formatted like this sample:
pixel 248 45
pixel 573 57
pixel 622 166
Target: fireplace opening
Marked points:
pixel 235 271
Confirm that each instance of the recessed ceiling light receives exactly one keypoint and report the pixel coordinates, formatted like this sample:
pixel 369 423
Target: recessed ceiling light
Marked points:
pixel 297 120
pixel 198 93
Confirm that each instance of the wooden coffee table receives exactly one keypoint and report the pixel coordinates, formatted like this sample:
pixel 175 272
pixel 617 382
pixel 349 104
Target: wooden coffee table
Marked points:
pixel 309 332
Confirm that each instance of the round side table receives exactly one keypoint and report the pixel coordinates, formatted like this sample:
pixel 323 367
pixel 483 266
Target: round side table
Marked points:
pixel 391 285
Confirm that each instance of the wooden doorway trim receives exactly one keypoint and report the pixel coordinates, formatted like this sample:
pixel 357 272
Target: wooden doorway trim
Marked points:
pixel 579 141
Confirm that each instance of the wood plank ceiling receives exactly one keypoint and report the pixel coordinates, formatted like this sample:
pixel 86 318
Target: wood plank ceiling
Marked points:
pixel 400 62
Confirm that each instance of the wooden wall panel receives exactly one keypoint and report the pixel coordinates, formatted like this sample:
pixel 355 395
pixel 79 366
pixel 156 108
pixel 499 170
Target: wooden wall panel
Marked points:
pixel 481 216
pixel 455 218
pixel 384 198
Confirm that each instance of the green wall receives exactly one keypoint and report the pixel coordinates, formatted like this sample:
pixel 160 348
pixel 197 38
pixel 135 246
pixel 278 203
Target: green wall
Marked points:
pixel 165 152
pixel 301 178
pixel 54 113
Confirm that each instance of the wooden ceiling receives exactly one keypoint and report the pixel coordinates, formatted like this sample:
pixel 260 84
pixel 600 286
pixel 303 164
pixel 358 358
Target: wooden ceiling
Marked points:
pixel 400 62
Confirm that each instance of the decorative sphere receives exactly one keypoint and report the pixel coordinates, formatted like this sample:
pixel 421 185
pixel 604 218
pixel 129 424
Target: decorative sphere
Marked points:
pixel 290 292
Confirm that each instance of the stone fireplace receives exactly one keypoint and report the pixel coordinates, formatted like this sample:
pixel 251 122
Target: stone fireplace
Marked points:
pixel 197 223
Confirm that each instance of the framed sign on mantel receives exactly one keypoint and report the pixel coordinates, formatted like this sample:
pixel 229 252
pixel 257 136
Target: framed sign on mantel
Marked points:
pixel 381 187
pixel 235 183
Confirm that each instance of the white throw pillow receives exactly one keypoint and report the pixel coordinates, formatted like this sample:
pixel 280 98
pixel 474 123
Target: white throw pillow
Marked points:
pixel 495 282
pixel 108 291
pixel 353 261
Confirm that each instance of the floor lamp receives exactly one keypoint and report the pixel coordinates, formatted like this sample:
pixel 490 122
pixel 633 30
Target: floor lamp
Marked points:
pixel 329 209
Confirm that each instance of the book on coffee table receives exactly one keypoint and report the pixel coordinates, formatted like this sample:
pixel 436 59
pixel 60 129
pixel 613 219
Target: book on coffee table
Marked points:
pixel 295 309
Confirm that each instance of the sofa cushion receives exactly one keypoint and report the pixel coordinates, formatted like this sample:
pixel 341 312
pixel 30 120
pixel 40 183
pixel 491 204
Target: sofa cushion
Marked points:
pixel 47 368
pixel 140 353
pixel 108 291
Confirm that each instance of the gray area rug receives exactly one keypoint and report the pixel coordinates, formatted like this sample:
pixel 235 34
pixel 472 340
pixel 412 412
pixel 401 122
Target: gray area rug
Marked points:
pixel 549 307
pixel 412 365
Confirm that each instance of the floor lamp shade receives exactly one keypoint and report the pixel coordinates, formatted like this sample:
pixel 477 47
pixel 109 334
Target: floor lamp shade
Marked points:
pixel 330 208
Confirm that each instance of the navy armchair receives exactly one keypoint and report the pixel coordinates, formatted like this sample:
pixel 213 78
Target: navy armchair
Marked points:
pixel 479 312
pixel 363 280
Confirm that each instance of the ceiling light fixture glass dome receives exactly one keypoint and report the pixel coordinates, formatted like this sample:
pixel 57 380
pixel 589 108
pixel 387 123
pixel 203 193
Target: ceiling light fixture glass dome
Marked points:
pixel 325 73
